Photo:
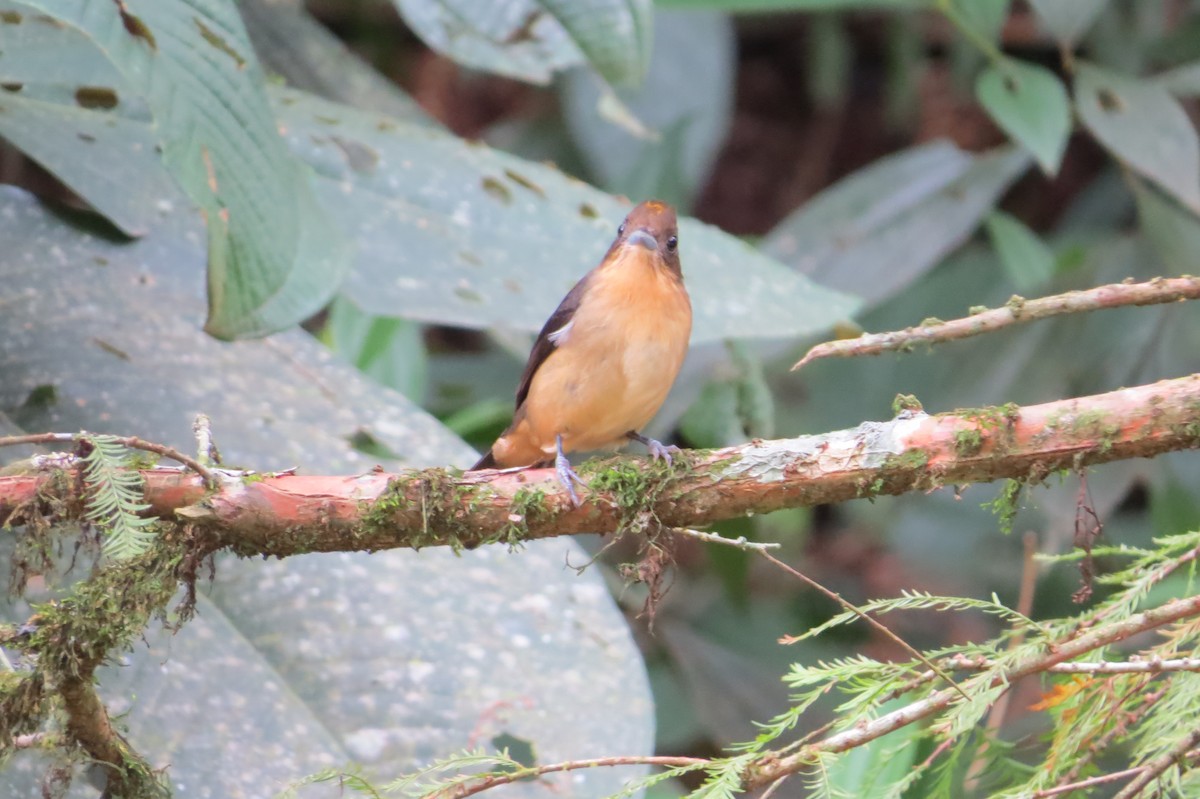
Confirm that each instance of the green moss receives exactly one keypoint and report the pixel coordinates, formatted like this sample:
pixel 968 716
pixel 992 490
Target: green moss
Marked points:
pixel 967 442
pixel 1086 424
pixel 444 504
pixel 906 402
pixel 932 321
pixel 526 506
pixel 635 485
pixel 908 460
pixel 991 423
pixel 141 460
pixel 1006 504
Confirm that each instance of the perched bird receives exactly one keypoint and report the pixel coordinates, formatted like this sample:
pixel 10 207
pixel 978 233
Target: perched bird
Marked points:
pixel 605 360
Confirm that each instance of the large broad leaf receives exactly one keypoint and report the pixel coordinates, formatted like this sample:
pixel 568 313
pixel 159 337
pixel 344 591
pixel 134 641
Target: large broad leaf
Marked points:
pixel 388 659
pixel 454 232
pixel 532 39
pixel 1068 19
pixel 290 42
pixel 877 230
pixel 274 258
pixel 690 49
pixel 1031 105
pixel 1144 126
pixel 108 160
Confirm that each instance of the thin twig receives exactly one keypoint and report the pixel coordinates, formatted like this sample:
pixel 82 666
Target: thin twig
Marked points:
pixel 131 442
pixel 773 787
pixel 1156 767
pixel 1115 776
pixel 487 782
pixel 1016 311
pixel 737 543
pixel 878 625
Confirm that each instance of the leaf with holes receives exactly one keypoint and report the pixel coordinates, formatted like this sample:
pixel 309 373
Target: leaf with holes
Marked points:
pixel 1142 125
pixel 274 258
pixel 1031 105
pixel 454 232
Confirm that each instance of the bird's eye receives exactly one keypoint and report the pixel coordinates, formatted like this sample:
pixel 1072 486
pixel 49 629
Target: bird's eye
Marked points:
pixel 621 230
pixel 672 243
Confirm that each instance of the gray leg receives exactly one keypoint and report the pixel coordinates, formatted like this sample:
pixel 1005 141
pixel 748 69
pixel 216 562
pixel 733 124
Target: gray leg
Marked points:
pixel 657 448
pixel 566 475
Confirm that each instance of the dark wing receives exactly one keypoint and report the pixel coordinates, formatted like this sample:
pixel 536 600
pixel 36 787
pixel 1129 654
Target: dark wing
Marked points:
pixel 544 346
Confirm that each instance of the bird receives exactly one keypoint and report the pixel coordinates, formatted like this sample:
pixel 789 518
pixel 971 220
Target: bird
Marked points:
pixel 605 360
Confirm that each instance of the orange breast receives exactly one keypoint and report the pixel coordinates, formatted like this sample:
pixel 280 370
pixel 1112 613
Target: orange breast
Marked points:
pixel 614 368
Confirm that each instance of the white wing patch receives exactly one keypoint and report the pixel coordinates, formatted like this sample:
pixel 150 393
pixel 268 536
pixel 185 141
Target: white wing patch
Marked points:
pixel 559 337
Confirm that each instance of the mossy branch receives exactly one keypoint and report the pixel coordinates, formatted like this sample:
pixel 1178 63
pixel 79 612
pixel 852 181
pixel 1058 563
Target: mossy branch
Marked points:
pixel 291 514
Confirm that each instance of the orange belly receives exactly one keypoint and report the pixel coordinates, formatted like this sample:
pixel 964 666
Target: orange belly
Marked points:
pixel 610 374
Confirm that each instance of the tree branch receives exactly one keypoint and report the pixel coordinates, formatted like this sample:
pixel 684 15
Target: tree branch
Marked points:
pixel 772 768
pixel 289 514
pixel 1016 311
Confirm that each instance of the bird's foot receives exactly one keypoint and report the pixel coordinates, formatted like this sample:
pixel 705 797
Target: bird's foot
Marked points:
pixel 658 450
pixel 567 475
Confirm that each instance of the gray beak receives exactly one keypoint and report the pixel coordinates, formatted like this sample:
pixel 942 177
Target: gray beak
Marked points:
pixel 642 238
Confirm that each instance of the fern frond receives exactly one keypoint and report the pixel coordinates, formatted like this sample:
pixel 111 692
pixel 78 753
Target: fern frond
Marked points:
pixel 114 494
pixel 917 600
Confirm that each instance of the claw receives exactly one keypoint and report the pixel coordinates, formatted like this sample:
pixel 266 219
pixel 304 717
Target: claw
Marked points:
pixel 658 450
pixel 566 475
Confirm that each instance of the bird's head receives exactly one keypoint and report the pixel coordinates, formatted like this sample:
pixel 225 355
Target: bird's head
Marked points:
pixel 650 230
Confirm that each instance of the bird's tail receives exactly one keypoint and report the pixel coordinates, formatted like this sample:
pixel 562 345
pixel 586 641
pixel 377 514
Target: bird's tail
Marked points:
pixel 488 461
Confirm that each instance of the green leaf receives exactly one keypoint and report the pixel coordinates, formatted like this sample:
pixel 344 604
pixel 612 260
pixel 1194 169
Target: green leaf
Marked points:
pixel 532 39
pixel 1026 258
pixel 106 159
pixel 454 232
pixel 1031 105
pixel 615 35
pixel 36 49
pixel 985 17
pixel 310 57
pixel 274 258
pixel 1068 20
pixel 389 350
pixel 1183 81
pixel 1173 231
pixel 881 228
pixel 1143 126
pixel 690 49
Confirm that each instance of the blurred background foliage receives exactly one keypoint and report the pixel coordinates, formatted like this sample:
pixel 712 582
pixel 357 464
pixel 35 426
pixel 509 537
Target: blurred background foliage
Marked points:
pixel 882 162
